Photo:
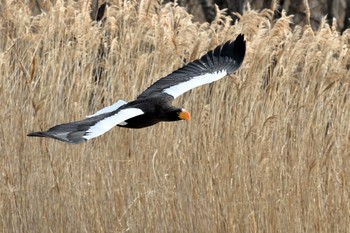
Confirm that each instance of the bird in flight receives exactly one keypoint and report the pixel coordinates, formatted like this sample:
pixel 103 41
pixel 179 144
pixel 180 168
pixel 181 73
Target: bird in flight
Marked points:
pixel 154 105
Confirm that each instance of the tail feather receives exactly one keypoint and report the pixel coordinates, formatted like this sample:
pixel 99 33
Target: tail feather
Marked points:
pixel 37 134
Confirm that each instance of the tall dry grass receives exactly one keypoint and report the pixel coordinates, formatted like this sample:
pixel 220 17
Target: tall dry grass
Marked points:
pixel 267 150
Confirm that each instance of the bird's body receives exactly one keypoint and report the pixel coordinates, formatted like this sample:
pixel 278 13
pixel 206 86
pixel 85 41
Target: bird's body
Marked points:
pixel 155 110
pixel 154 105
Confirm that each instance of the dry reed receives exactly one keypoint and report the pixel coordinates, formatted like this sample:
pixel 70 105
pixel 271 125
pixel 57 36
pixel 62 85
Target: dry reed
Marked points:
pixel 267 149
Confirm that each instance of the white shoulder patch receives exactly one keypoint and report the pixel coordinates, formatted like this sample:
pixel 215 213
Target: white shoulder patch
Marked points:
pixel 108 123
pixel 196 81
pixel 111 108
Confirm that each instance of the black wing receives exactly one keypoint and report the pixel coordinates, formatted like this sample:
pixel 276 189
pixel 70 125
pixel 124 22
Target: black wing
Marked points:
pixel 90 127
pixel 216 64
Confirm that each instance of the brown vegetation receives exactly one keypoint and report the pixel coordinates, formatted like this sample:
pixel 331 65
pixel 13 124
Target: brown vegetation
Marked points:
pixel 267 149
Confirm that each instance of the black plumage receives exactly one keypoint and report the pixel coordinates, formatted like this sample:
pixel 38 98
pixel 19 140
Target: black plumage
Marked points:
pixel 154 105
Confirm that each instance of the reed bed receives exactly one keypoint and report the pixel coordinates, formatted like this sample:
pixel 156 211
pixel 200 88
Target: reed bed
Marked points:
pixel 267 149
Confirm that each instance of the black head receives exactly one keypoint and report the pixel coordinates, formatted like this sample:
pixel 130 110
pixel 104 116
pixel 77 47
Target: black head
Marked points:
pixel 176 115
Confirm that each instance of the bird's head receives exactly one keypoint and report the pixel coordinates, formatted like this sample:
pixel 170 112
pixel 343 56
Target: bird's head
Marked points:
pixel 184 115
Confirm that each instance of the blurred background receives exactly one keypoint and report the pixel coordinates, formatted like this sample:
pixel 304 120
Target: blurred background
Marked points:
pixel 305 12
pixel 338 9
pixel 267 149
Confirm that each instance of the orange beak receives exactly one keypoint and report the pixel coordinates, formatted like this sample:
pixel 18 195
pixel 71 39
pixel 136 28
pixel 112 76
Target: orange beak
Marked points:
pixel 184 115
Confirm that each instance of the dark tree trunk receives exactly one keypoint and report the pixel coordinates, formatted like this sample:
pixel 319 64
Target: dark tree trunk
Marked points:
pixel 258 4
pixel 347 16
pixel 232 6
pixel 298 9
pixel 208 10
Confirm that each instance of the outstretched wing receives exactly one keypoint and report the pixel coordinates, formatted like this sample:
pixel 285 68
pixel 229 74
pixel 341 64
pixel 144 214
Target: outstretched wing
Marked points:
pixel 91 127
pixel 216 64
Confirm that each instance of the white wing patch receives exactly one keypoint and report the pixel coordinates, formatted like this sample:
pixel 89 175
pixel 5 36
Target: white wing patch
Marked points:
pixel 197 81
pixel 111 108
pixel 108 123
